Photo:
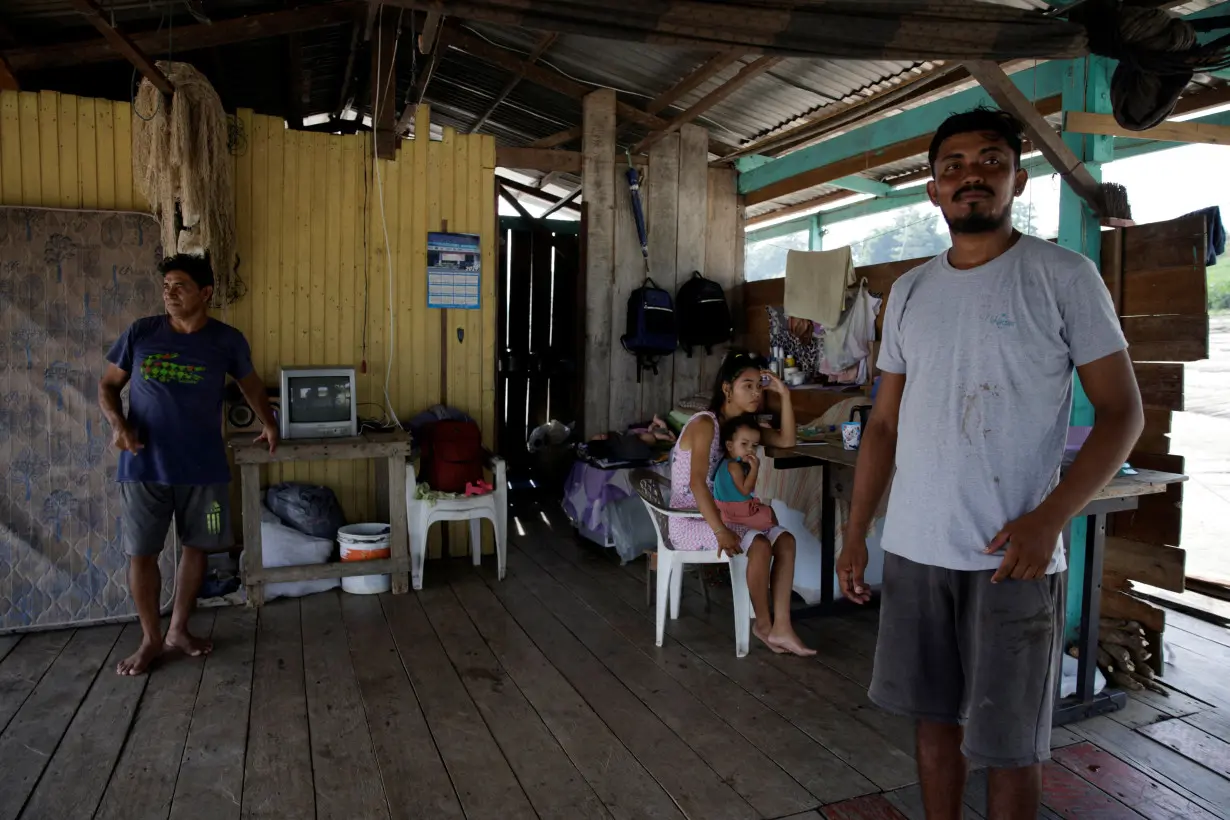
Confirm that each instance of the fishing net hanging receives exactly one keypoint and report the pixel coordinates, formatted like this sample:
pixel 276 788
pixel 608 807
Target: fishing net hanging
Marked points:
pixel 183 166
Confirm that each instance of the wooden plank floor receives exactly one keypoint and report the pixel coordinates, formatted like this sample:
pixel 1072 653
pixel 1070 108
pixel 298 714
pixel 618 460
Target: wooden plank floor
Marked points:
pixel 542 695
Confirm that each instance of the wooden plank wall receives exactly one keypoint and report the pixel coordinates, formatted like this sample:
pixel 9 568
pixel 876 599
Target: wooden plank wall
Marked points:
pixel 1156 275
pixel 312 234
pixel 694 223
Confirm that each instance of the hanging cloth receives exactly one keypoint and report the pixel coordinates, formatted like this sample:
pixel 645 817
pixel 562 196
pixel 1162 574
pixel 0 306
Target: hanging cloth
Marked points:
pixel 816 283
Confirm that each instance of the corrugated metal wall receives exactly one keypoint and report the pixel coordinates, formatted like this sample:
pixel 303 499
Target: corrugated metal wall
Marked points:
pixel 315 250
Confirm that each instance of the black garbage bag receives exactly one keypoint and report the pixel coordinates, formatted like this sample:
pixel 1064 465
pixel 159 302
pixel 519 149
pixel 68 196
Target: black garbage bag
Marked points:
pixel 308 508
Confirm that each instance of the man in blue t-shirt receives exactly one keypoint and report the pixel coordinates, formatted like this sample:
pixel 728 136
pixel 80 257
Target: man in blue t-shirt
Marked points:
pixel 173 460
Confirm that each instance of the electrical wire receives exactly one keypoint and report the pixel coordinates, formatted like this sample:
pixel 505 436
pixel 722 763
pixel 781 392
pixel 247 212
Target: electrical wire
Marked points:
pixel 388 253
pixel 162 18
pixel 593 84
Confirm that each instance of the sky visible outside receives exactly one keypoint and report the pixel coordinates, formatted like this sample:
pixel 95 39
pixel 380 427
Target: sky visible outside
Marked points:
pixel 1161 185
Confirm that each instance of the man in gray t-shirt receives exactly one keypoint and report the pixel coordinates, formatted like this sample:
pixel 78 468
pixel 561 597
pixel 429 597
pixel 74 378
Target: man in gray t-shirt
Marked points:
pixel 978 352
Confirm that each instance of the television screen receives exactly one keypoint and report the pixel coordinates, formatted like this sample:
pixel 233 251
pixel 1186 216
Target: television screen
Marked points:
pixel 317 399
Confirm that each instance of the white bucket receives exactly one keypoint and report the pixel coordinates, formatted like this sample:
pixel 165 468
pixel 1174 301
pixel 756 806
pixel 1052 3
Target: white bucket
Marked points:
pixel 365 542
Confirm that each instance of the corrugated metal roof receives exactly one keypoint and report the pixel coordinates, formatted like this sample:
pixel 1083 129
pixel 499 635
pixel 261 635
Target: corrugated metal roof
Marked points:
pixel 253 75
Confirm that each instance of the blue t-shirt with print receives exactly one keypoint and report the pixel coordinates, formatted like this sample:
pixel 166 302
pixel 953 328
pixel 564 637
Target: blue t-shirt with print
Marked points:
pixel 175 398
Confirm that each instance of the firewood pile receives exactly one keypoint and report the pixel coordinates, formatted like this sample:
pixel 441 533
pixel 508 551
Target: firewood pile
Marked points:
pixel 1123 652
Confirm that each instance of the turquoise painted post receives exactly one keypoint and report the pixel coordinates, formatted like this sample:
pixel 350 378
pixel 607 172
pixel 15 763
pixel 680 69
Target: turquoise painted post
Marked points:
pixel 815 239
pixel 1086 88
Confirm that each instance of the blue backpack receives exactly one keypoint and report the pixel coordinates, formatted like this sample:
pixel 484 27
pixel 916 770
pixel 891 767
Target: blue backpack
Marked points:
pixel 651 326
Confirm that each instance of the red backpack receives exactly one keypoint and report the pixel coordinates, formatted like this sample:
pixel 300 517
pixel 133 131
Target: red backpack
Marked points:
pixel 452 455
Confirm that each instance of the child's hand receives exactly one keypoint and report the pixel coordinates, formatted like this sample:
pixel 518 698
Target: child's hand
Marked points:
pixel 752 461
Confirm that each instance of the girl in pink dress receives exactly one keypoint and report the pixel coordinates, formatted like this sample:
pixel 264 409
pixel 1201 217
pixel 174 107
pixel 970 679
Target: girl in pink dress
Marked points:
pixel 770 554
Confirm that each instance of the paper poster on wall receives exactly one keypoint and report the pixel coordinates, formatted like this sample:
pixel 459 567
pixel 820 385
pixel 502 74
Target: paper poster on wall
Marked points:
pixel 454 268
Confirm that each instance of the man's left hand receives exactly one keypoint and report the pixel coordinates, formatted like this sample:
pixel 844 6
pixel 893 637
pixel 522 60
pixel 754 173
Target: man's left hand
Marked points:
pixel 268 434
pixel 1031 542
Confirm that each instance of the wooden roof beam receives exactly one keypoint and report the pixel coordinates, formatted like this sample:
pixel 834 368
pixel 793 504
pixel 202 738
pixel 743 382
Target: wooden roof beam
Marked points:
pixel 545 42
pixel 553 80
pixel 431 28
pixel 791 210
pixel 539 159
pixel 563 203
pixel 123 45
pixel 187 38
pixel 1008 97
pixel 714 65
pixel 535 193
pixel 746 74
pixel 8 79
pixel 1083 122
pixel 508 197
pixel 418 93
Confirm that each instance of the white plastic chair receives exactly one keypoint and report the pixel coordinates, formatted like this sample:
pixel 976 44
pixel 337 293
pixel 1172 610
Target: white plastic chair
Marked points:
pixel 493 506
pixel 654 491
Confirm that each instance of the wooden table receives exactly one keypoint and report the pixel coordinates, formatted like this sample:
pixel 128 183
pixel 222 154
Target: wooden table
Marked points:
pixel 391 448
pixel 1120 494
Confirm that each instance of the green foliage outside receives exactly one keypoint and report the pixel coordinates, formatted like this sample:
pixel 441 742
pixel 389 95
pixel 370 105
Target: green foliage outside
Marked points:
pixel 1219 285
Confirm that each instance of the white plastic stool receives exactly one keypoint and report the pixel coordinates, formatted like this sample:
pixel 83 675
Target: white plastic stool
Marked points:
pixel 493 506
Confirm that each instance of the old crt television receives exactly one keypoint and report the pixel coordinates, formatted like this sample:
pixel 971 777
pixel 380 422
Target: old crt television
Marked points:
pixel 318 402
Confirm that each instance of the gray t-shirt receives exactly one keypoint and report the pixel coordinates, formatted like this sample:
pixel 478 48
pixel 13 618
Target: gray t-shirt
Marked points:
pixel 988 355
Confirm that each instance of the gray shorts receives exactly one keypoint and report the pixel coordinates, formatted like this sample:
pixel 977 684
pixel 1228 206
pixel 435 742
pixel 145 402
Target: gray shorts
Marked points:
pixel 202 516
pixel 955 648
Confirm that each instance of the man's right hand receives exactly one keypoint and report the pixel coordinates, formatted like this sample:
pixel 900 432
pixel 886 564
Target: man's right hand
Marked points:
pixel 851 565
pixel 125 438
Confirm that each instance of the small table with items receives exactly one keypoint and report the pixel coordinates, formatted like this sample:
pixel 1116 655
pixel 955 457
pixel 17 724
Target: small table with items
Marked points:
pixel 1122 493
pixel 390 448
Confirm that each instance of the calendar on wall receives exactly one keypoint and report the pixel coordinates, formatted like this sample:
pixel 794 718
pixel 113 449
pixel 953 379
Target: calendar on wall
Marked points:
pixel 454 271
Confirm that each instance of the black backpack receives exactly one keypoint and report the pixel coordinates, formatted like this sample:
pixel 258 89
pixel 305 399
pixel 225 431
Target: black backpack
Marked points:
pixel 651 326
pixel 704 317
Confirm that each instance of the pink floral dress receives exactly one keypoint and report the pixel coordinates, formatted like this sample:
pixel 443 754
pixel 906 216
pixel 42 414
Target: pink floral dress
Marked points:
pixel 694 533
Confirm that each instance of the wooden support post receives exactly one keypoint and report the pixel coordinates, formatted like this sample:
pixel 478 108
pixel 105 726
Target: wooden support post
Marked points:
pixel 661 198
pixel 253 555
pixel 384 87
pixel 1086 88
pixel 598 173
pixel 690 243
pixel 399 536
pixel 123 45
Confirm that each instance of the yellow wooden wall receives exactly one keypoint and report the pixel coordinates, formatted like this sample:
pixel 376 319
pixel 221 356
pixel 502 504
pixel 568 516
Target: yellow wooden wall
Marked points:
pixel 312 234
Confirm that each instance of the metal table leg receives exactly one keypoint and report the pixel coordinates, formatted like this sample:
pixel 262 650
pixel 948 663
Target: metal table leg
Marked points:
pixel 1085 704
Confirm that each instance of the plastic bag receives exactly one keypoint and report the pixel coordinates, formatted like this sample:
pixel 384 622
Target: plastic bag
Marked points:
pixel 546 435
pixel 282 546
pixel 310 509
pixel 1067 683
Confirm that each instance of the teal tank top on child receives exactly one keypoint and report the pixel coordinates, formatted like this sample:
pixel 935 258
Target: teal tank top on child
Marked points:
pixel 724 488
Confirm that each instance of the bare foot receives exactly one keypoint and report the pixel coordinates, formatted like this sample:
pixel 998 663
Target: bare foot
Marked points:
pixel 190 645
pixel 763 634
pixel 787 641
pixel 138 662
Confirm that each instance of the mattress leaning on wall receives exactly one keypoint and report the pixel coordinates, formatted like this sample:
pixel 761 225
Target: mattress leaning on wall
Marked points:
pixel 71 281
